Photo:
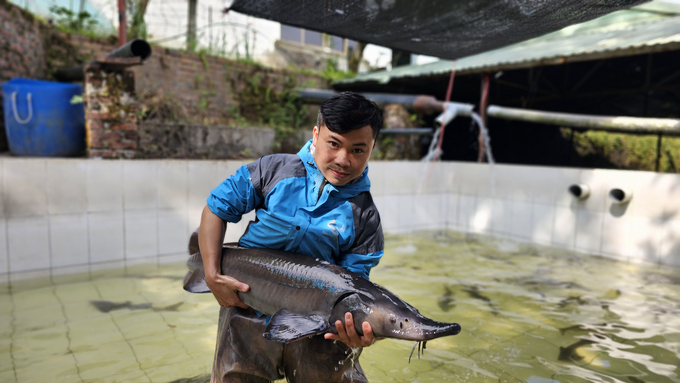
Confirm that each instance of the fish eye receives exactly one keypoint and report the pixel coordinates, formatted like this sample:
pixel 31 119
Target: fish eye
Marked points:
pixel 406 320
pixel 393 320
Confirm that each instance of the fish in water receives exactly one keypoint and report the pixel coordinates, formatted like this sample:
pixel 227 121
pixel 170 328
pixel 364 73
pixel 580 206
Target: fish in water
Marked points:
pixel 108 306
pixel 570 353
pixel 304 296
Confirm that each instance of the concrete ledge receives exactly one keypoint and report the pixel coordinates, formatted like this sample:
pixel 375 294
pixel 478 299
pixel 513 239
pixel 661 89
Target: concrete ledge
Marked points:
pixel 199 141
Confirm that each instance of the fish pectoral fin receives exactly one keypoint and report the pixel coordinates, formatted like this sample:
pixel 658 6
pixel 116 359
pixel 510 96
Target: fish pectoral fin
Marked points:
pixel 286 326
pixel 194 282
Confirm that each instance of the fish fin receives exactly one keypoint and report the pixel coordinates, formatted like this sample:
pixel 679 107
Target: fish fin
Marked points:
pixel 286 326
pixel 194 282
pixel 193 243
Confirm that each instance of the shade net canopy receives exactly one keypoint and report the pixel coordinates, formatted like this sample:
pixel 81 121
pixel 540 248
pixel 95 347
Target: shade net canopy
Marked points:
pixel 447 29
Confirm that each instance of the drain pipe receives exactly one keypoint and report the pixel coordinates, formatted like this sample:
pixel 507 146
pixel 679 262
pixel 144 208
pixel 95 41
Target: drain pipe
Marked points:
pixel 580 191
pixel 620 196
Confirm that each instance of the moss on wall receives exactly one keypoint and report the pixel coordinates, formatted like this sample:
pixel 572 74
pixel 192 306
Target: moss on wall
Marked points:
pixel 625 151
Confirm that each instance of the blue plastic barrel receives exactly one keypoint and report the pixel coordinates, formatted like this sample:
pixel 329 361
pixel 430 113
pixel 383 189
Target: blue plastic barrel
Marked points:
pixel 41 120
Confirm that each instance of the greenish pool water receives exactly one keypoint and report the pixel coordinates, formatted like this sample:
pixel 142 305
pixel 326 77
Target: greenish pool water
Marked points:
pixel 528 314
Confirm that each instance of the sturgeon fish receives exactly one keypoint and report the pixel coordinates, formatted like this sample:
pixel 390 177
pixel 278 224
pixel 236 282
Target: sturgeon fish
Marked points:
pixel 306 296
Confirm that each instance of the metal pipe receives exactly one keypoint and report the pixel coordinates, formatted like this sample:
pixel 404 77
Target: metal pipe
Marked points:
pixel 407 131
pixel 419 103
pixel 133 48
pixel 122 23
pixel 609 123
pixel 429 105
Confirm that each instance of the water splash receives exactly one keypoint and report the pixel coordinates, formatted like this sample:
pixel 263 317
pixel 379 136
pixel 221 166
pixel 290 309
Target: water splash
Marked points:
pixel 485 136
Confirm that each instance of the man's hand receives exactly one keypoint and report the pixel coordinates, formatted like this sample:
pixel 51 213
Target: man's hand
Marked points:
pixel 225 289
pixel 210 237
pixel 348 335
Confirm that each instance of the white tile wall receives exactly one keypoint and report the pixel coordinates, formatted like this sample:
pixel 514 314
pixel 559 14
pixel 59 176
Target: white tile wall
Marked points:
pixel 440 206
pixel 542 222
pixel 645 238
pixel 560 180
pixel 141 233
pixel 650 193
pixel 107 242
pixel 433 177
pixel 430 211
pixel 377 174
pixel 589 231
pixel 423 211
pixel 480 221
pixel 388 207
pixel 66 213
pixel 452 207
pixel 475 179
pixel 194 219
pixel 69 240
pixel 140 181
pixel 28 242
pixel 172 229
pixel 616 236
pixel 564 228
pixel 66 186
pixel 407 181
pixel 4 260
pixel 406 208
pixel 467 205
pixel 522 225
pixel 173 185
pixel 501 217
pixel 203 178
pixel 2 190
pixel 670 244
pixel 25 188
pixel 104 185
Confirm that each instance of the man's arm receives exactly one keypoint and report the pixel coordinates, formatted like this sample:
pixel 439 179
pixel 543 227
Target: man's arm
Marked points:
pixel 365 252
pixel 210 237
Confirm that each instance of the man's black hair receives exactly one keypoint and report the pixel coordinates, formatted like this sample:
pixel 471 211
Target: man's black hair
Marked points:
pixel 349 111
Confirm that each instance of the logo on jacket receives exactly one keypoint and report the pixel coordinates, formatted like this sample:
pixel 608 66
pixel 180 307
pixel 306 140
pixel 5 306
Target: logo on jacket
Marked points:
pixel 334 230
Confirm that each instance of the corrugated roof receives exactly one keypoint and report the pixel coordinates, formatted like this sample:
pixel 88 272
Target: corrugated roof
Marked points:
pixel 645 29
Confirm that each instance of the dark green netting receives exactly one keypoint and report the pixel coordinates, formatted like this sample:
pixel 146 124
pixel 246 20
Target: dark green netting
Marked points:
pixel 443 28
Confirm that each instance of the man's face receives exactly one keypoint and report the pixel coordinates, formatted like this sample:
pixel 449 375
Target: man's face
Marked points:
pixel 342 157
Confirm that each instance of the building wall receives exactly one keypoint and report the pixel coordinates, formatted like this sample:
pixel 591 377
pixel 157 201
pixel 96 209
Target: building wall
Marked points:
pixel 21 50
pixel 198 87
pixel 60 216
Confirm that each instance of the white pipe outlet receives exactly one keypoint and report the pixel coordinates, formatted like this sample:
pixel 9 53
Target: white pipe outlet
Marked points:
pixel 580 191
pixel 620 196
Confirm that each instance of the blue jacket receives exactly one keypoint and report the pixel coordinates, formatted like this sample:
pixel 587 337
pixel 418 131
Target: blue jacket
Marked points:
pixel 339 224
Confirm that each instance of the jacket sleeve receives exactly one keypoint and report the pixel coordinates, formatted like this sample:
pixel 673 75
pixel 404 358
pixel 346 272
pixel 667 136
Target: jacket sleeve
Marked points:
pixel 234 197
pixel 368 245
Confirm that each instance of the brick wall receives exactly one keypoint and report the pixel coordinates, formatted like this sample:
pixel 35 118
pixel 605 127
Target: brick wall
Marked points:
pixel 199 86
pixel 21 50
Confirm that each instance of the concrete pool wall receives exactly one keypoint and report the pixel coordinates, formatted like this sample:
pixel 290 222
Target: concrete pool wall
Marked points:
pixel 61 216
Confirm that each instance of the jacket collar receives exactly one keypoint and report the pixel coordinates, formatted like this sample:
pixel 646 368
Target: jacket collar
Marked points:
pixel 353 188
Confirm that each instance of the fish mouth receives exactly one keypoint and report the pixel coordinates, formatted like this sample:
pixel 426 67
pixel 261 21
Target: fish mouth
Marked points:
pixel 432 331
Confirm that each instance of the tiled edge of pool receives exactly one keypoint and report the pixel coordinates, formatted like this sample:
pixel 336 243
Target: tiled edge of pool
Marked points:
pixel 63 216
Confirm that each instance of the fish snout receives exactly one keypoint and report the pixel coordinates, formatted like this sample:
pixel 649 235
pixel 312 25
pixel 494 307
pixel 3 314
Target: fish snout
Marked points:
pixel 433 330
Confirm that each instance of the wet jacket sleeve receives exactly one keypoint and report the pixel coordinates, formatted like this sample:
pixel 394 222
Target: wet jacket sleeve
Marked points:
pixel 234 197
pixel 368 245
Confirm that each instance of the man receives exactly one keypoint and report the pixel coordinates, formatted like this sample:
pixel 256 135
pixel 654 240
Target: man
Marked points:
pixel 315 203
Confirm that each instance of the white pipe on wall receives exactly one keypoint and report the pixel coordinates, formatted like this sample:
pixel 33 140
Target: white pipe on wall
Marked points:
pixel 580 191
pixel 620 196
